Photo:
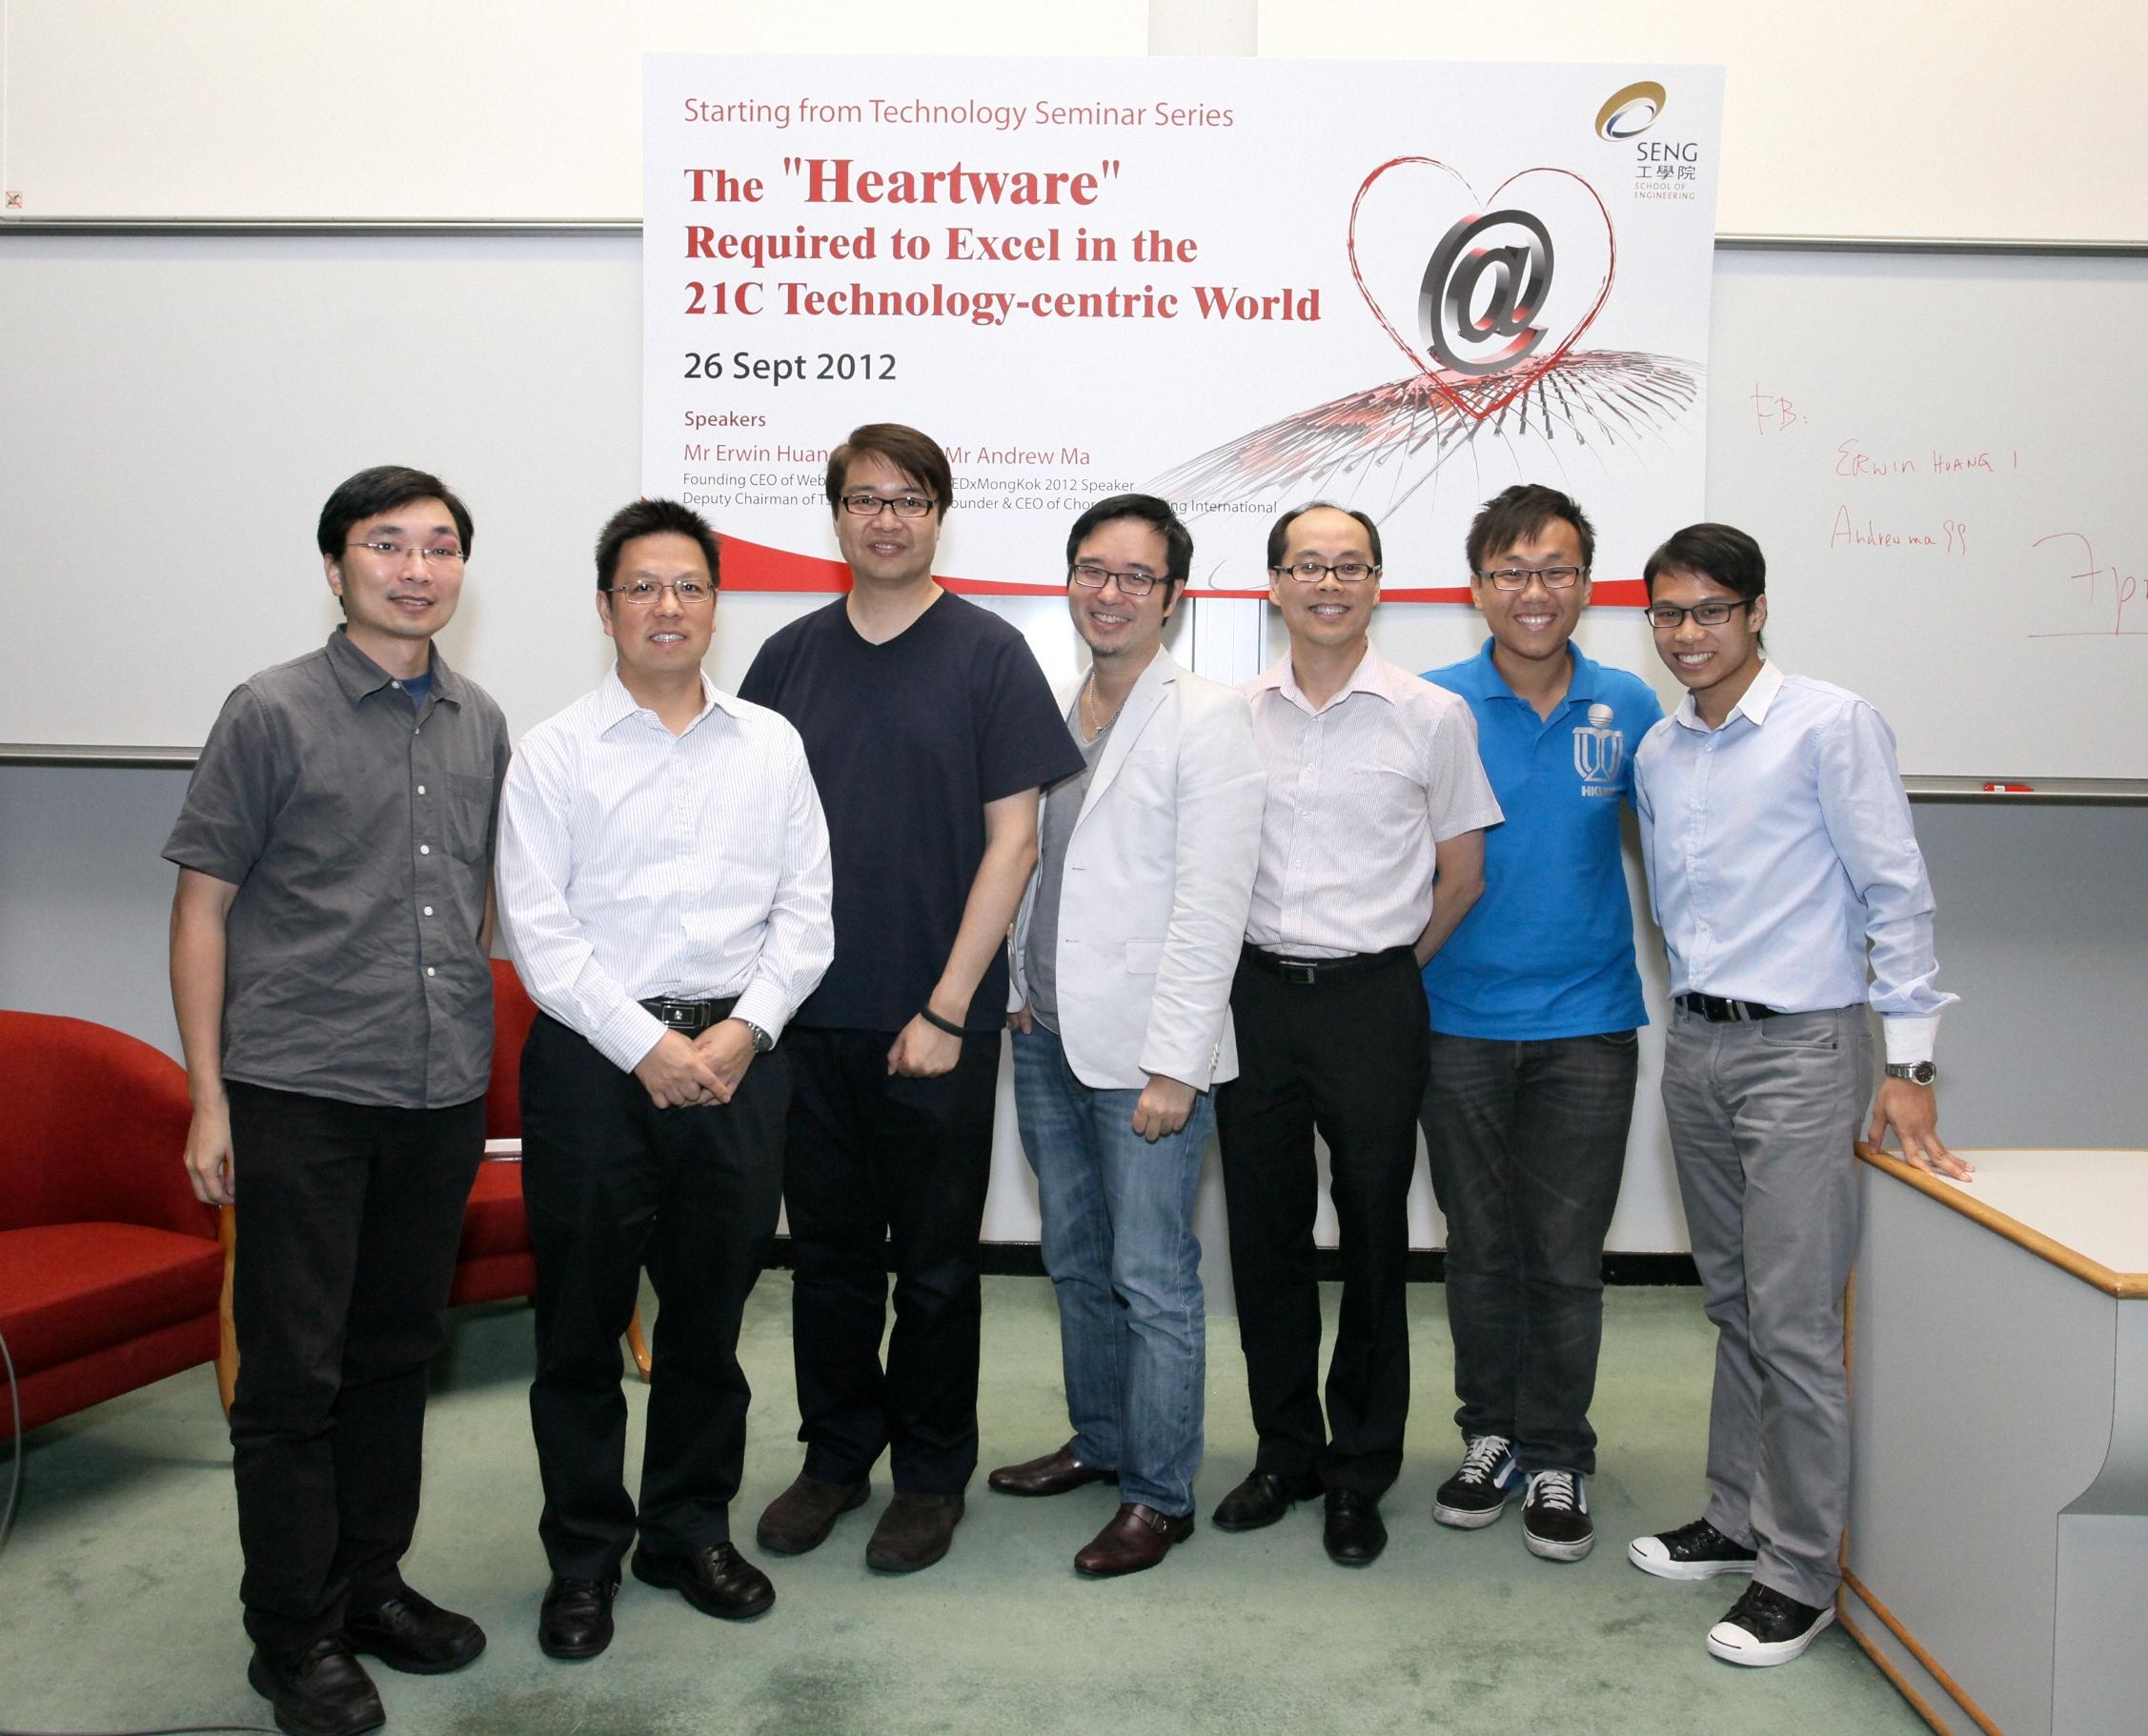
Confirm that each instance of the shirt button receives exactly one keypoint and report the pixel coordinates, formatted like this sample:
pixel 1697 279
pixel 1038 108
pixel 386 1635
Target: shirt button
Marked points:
pixel 429 910
pixel 428 970
pixel 421 789
pixel 425 850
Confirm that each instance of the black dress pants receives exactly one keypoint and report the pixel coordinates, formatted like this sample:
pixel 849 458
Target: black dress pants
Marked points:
pixel 1347 1058
pixel 880 1165
pixel 349 1217
pixel 614 1184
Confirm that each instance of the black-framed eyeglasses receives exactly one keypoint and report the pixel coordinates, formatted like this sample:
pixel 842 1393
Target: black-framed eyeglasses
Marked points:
pixel 439 554
pixel 865 504
pixel 1516 578
pixel 1092 577
pixel 1345 572
pixel 642 592
pixel 1714 613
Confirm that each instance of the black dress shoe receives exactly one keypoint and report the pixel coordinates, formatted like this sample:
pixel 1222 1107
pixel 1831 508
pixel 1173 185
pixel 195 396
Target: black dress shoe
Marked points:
pixel 415 1635
pixel 716 1578
pixel 914 1532
pixel 321 1690
pixel 1261 1500
pixel 576 1622
pixel 802 1517
pixel 1354 1534
pixel 1054 1474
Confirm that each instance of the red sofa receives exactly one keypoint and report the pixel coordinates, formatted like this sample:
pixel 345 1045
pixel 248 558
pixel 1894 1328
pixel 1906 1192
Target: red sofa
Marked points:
pixel 110 1269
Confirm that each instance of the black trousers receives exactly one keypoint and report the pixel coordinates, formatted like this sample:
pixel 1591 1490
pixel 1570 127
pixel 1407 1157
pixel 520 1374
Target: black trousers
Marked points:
pixel 349 1217
pixel 614 1184
pixel 878 1165
pixel 1347 1059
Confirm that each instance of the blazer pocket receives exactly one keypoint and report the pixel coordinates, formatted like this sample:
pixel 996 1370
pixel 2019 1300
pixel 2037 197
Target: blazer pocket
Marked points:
pixel 1144 957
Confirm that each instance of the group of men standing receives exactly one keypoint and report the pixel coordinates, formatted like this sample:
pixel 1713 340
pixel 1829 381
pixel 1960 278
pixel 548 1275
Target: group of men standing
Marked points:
pixel 775 938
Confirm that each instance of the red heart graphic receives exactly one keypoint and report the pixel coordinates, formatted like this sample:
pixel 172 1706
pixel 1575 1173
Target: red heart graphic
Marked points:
pixel 1526 372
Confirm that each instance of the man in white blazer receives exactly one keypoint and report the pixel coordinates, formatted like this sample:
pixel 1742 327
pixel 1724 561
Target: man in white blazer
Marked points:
pixel 1124 951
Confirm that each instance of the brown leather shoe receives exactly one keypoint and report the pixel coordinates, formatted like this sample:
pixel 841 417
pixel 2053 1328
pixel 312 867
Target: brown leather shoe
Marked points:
pixel 802 1517
pixel 914 1532
pixel 1054 1474
pixel 1136 1538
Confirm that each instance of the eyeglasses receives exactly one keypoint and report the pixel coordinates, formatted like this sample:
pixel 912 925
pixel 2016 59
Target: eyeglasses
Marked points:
pixel 443 555
pixel 644 592
pixel 866 504
pixel 1345 572
pixel 1516 578
pixel 1705 615
pixel 1091 578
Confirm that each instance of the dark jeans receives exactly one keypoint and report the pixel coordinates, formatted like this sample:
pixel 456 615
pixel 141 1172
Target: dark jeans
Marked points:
pixel 612 1185
pixel 349 1217
pixel 1528 1145
pixel 1347 1059
pixel 879 1164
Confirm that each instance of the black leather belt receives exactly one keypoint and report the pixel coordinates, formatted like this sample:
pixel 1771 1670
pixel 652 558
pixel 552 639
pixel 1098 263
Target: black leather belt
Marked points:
pixel 1305 972
pixel 1717 1011
pixel 690 1016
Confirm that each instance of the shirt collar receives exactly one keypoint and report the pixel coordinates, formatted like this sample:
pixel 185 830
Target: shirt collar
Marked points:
pixel 1373 675
pixel 614 702
pixel 1581 683
pixel 1752 703
pixel 359 674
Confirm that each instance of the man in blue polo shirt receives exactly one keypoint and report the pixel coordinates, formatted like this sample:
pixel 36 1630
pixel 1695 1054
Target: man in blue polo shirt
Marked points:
pixel 1535 1004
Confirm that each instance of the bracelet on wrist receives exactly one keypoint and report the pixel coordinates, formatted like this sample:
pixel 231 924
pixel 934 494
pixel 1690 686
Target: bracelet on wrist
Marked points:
pixel 938 1023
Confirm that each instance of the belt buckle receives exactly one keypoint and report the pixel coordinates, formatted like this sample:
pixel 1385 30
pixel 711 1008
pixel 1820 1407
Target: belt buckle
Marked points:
pixel 1302 975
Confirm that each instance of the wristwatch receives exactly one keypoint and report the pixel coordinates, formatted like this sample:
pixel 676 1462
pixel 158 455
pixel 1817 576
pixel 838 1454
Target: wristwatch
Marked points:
pixel 762 1042
pixel 1917 1072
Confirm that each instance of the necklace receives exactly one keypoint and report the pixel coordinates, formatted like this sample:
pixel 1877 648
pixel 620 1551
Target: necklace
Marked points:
pixel 1091 722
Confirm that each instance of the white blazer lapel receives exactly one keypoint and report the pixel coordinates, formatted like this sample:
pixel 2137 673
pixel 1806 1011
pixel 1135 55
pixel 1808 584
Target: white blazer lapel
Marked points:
pixel 1142 704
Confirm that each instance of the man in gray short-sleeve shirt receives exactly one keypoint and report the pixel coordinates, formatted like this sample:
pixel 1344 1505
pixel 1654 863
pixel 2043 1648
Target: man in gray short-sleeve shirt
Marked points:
pixel 329 967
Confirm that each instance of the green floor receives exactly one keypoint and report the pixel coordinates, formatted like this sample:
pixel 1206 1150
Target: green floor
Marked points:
pixel 118 1609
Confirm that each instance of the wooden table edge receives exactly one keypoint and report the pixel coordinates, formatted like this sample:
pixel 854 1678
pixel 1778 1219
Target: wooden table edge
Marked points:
pixel 2126 1287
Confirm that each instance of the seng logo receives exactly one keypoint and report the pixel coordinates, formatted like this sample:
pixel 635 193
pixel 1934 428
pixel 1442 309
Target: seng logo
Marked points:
pixel 1628 112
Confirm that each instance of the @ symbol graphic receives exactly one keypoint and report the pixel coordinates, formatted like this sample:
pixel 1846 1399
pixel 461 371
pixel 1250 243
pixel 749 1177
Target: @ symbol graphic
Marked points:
pixel 1510 280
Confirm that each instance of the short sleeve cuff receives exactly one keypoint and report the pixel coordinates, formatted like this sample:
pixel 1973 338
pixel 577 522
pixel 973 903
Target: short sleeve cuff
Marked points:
pixel 1911 1037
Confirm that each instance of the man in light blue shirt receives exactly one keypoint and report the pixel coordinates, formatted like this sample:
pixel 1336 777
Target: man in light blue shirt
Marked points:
pixel 1783 868
pixel 1535 1004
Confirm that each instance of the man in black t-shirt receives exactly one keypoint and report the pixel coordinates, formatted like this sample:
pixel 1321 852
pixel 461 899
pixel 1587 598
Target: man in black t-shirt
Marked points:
pixel 930 730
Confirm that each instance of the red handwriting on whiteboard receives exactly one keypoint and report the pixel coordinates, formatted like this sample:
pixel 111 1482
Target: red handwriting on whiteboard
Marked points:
pixel 1949 537
pixel 2090 599
pixel 1774 414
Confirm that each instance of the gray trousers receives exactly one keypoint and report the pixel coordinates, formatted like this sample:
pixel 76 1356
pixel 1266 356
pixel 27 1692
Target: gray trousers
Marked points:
pixel 1763 1116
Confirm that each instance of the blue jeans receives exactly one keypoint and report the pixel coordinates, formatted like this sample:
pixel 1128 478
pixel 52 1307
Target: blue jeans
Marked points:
pixel 1526 1142
pixel 1120 1247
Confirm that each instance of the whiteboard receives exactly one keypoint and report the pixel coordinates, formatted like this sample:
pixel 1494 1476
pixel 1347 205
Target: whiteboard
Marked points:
pixel 178 405
pixel 1984 118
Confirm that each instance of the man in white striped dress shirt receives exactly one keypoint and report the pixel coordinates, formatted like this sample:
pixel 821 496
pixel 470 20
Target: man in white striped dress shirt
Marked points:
pixel 664 890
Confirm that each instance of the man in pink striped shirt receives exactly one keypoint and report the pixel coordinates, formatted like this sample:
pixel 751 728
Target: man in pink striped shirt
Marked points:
pixel 1371 851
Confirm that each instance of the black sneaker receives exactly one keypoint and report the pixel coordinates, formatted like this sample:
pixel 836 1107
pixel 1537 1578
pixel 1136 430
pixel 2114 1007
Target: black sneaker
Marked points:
pixel 1764 1626
pixel 1697 1551
pixel 1477 1492
pixel 1556 1522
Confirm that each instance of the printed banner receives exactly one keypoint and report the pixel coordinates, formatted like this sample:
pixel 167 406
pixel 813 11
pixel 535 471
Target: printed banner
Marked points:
pixel 1240 284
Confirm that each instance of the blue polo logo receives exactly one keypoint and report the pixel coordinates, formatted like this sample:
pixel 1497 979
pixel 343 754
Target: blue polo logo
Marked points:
pixel 1599 749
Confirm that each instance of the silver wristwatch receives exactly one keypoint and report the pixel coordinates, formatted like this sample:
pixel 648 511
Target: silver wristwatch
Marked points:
pixel 762 1042
pixel 1917 1072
